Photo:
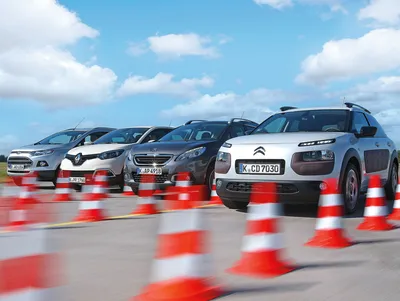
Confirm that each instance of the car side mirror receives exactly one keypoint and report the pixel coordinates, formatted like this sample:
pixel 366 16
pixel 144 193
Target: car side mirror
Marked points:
pixel 150 141
pixel 87 143
pixel 367 131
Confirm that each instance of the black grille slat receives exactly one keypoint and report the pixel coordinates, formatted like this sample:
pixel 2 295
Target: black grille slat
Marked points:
pixel 151 160
pixel 19 160
pixel 247 187
pixel 159 178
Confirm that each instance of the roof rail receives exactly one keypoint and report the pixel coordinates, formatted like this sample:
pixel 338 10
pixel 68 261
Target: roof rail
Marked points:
pixel 350 105
pixel 241 119
pixel 194 120
pixel 286 108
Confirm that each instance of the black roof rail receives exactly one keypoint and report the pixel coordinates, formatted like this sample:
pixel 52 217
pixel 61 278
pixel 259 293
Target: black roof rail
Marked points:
pixel 350 105
pixel 194 120
pixel 286 108
pixel 241 119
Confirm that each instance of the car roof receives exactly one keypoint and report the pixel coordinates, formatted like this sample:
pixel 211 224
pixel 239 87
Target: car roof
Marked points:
pixel 353 108
pixel 88 129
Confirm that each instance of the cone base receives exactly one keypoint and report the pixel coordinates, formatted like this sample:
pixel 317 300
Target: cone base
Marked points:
pixel 373 224
pixel 261 265
pixel 145 210
pixel 395 215
pixel 329 239
pixel 63 198
pixel 180 290
pixel 90 216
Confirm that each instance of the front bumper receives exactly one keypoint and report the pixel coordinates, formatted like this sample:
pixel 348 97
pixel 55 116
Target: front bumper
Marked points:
pixel 289 192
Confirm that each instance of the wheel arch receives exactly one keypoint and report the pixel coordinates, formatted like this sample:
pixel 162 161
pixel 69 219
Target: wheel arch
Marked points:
pixel 351 156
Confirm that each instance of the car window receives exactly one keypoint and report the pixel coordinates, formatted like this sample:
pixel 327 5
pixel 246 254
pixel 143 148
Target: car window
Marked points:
pixel 380 133
pixel 122 136
pixel 359 120
pixel 156 135
pixel 236 130
pixel 62 137
pixel 305 121
pixel 196 132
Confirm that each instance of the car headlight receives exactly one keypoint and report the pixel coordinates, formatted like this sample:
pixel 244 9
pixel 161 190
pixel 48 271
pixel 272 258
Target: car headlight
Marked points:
pixel 42 152
pixel 322 155
pixel 223 162
pixel 223 157
pixel 111 154
pixel 193 153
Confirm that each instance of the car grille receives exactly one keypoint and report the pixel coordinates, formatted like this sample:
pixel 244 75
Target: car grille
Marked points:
pixel 247 187
pixel 159 178
pixel 81 173
pixel 83 158
pixel 152 160
pixel 20 160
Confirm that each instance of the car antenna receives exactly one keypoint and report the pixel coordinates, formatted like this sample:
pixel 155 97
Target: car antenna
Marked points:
pixel 79 123
pixel 344 99
pixel 170 123
pixel 241 117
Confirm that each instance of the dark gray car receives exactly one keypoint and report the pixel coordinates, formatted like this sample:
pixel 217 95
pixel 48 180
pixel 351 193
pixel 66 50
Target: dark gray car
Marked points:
pixel 191 148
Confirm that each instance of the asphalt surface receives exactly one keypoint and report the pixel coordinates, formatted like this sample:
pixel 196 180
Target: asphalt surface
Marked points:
pixel 112 260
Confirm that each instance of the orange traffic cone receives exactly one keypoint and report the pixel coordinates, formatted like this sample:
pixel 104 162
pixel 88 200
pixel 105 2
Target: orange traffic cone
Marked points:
pixel 395 215
pixel 375 210
pixel 99 188
pixel 262 245
pixel 128 191
pixel 215 199
pixel 329 228
pixel 29 189
pixel 91 206
pixel 146 203
pixel 63 187
pixel 182 268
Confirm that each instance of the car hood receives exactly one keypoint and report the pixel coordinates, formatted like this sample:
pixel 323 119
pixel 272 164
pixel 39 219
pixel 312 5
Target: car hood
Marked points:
pixel 95 149
pixel 173 148
pixel 285 138
pixel 32 147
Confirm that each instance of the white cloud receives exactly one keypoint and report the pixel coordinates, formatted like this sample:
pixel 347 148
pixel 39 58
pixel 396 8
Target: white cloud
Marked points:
pixel 178 45
pixel 383 12
pixel 7 143
pixel 137 49
pixel 34 63
pixel 376 51
pixel 163 83
pixel 277 4
pixel 255 105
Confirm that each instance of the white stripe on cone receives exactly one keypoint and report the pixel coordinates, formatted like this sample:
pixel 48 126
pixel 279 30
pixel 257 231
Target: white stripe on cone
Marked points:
pixel 262 242
pixel 264 211
pixel 375 193
pixel 329 223
pixel 373 211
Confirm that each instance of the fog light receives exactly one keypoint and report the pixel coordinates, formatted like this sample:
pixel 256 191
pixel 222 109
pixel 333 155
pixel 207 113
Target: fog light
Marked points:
pixel 323 186
pixel 42 164
pixel 127 177
pixel 218 183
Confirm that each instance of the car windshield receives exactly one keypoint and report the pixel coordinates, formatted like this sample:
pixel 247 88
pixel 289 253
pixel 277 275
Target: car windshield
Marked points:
pixel 122 136
pixel 61 137
pixel 196 132
pixel 305 121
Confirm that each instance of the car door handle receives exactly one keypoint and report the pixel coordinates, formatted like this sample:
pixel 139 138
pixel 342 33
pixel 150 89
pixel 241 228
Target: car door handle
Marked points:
pixel 377 144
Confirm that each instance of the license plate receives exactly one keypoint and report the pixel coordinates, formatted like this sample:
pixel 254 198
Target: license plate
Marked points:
pixel 18 167
pixel 77 180
pixel 267 169
pixel 149 171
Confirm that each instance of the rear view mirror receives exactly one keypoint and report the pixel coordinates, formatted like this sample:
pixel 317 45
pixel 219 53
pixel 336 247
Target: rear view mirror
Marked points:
pixel 367 131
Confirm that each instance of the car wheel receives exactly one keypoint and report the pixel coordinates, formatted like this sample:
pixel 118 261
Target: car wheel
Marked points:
pixel 231 204
pixel 391 185
pixel 351 188
pixel 54 181
pixel 210 178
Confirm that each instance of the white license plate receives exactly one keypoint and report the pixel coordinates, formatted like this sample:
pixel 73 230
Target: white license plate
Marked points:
pixel 77 180
pixel 267 169
pixel 149 171
pixel 17 167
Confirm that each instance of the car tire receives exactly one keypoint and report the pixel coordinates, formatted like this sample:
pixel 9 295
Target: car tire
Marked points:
pixel 351 189
pixel 54 181
pixel 391 184
pixel 210 178
pixel 231 204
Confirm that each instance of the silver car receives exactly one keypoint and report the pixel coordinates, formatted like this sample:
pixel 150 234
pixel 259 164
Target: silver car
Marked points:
pixel 45 156
pixel 299 148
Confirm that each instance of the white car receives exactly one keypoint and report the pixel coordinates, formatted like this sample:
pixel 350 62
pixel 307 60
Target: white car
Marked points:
pixel 108 153
pixel 300 148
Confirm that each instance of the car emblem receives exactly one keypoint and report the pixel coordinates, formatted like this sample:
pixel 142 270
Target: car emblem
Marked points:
pixel 77 158
pixel 259 150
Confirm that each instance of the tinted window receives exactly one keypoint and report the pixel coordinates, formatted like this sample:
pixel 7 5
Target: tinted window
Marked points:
pixel 373 122
pixel 248 127
pixel 305 121
pixel 122 136
pixel 196 132
pixel 358 122
pixel 156 135
pixel 62 137
pixel 236 130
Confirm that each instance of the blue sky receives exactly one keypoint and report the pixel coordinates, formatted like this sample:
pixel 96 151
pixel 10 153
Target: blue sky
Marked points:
pixel 126 63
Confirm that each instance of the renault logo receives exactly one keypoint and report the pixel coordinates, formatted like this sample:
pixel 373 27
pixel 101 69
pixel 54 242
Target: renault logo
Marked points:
pixel 259 150
pixel 77 158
